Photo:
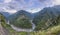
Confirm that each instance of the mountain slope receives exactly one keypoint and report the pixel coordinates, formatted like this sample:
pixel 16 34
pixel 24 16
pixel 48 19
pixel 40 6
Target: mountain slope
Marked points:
pixel 3 30
pixel 21 19
pixel 6 14
pixel 44 18
pixel 52 30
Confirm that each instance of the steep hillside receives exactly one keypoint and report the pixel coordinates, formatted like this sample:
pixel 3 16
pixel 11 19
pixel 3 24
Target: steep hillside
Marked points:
pixel 3 30
pixel 44 18
pixel 21 19
pixel 6 14
pixel 52 30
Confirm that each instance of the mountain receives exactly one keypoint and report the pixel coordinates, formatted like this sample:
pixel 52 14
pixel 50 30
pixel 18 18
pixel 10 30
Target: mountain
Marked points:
pixel 2 25
pixel 45 18
pixel 21 19
pixel 6 14
pixel 21 12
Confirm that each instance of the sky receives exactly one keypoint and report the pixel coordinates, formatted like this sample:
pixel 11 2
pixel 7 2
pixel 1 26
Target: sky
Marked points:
pixel 31 6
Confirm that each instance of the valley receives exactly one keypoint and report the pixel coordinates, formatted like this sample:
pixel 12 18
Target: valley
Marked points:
pixel 44 22
pixel 24 30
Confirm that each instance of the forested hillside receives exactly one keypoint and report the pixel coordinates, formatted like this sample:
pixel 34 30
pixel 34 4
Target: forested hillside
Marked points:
pixel 44 22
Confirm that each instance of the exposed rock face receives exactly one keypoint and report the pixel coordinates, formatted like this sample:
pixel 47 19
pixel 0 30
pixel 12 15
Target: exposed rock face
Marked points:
pixel 3 31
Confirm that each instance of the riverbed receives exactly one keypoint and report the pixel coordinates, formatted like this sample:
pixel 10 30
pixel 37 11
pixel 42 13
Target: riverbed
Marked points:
pixel 20 29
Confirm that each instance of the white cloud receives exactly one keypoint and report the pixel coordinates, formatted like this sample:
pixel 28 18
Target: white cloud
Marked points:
pixel 56 2
pixel 10 11
pixel 21 4
pixel 33 10
pixel 7 1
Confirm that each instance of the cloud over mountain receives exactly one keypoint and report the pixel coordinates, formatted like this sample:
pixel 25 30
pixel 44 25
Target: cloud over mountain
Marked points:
pixel 30 5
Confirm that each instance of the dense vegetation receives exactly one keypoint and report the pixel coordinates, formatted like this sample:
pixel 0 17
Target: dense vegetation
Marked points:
pixel 22 22
pixel 8 28
pixel 21 19
pixel 2 18
pixel 47 22
pixel 45 18
pixel 52 30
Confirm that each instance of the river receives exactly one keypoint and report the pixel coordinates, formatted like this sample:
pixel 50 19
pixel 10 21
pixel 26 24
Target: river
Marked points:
pixel 20 29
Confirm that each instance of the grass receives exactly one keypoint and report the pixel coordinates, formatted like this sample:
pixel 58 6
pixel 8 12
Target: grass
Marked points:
pixel 11 31
pixel 50 31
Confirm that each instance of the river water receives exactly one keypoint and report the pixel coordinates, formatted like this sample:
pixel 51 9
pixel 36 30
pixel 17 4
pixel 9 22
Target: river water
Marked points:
pixel 20 29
